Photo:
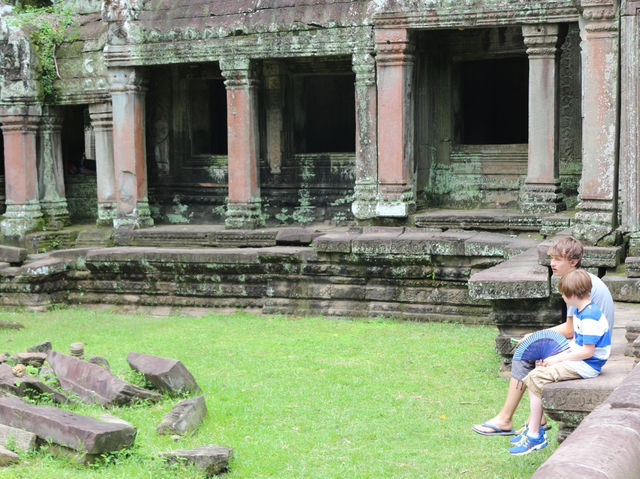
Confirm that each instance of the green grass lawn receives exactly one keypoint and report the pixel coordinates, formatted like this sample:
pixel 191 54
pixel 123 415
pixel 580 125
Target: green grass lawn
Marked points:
pixel 299 397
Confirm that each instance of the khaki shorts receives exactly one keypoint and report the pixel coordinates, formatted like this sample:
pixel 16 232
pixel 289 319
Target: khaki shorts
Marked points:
pixel 548 374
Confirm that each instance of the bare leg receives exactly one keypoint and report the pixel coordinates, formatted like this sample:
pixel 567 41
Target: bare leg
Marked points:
pixel 535 418
pixel 503 419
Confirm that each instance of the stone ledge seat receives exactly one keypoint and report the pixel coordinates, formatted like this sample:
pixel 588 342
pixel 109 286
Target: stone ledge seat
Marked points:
pixel 519 277
pixel 569 402
pixel 606 445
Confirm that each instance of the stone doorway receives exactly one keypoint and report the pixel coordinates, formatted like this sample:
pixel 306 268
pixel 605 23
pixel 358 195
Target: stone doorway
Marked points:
pixel 472 117
pixel 315 177
pixel 79 164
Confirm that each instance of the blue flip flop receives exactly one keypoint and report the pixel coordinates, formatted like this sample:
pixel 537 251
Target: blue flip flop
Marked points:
pixel 496 431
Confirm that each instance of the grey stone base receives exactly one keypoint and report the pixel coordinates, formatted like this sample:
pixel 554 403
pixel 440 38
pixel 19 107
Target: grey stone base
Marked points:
pixel 139 218
pixel 20 220
pixel 542 198
pixel 244 215
pixel 106 214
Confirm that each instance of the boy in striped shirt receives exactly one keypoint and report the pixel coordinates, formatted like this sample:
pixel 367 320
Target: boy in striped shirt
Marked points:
pixel 587 352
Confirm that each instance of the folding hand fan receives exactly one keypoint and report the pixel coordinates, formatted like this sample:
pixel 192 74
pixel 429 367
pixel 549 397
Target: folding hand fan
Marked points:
pixel 541 345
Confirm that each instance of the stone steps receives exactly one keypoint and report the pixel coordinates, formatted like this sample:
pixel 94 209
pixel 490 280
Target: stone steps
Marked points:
pixel 493 220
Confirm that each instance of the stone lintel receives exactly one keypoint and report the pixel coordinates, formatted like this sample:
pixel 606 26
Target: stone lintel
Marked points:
pixel 81 433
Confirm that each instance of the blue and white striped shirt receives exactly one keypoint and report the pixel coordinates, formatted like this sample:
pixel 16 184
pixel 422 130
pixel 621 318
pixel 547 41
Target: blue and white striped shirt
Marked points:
pixel 590 327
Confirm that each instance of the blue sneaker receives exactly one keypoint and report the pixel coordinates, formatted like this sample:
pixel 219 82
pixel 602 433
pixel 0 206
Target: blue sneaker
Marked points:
pixel 523 433
pixel 528 445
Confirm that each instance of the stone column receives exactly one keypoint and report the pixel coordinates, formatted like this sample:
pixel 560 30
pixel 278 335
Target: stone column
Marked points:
pixel 395 62
pixel 243 210
pixel 630 124
pixel 597 216
pixel 274 102
pixel 129 149
pixel 102 123
pixel 53 200
pixel 20 129
pixel 541 192
pixel 366 187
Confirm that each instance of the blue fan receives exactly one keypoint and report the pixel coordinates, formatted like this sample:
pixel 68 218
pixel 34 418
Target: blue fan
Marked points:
pixel 541 345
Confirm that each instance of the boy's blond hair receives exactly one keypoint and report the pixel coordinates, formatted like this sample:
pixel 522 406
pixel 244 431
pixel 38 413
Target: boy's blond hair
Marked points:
pixel 567 248
pixel 575 283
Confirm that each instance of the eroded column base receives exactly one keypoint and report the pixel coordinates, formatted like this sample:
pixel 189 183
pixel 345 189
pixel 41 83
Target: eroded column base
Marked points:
pixel 140 217
pixel 542 198
pixel 55 214
pixel 244 215
pixel 106 214
pixel 21 219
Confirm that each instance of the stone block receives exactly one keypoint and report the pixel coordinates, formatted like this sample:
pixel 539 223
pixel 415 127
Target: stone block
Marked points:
pixel 20 439
pixel 184 418
pixel 80 433
pixel 211 459
pixel 8 457
pixel 569 402
pixel 6 324
pixel 93 383
pixel 43 347
pixel 333 243
pixel 296 236
pixel 26 385
pixel 166 374
pixel 31 359
pixel 622 288
pixel 100 361
pixel 632 266
pixel 607 451
pixel 627 394
pixel 517 278
pixel 376 244
pixel 12 254
pixel 45 268
pixel 486 244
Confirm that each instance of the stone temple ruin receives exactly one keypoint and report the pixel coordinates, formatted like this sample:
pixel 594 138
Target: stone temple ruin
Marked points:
pixel 399 158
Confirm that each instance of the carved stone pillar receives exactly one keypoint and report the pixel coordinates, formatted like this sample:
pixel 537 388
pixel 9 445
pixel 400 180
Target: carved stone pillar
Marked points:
pixel 395 62
pixel 630 124
pixel 274 103
pixel 541 192
pixel 366 187
pixel 20 129
pixel 53 201
pixel 243 210
pixel 129 148
pixel 597 216
pixel 102 123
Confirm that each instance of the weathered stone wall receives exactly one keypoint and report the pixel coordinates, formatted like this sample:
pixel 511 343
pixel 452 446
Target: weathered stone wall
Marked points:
pixel 363 273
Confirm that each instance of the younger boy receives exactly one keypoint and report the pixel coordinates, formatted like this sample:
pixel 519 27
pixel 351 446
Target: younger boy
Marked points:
pixel 588 351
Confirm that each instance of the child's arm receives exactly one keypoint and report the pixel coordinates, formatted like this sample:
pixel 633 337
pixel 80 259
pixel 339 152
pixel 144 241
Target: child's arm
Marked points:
pixel 584 352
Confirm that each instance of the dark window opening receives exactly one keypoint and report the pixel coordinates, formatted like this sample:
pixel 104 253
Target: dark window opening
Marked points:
pixel 208 100
pixel 74 139
pixel 325 121
pixel 494 101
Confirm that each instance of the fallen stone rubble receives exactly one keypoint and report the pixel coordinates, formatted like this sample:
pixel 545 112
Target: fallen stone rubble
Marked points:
pixel 25 426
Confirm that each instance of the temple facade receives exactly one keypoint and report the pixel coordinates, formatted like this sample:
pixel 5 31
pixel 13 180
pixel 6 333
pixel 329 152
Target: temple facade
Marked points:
pixel 253 112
